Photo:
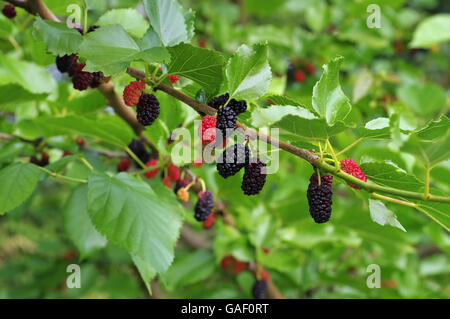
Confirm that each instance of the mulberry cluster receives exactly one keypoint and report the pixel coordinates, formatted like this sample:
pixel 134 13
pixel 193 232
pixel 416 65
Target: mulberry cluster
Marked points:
pixel 238 106
pixel 147 109
pixel 351 167
pixel 9 11
pixel 259 289
pixel 219 101
pixel 320 198
pixel 297 70
pixel 204 205
pixel 82 80
pixel 254 177
pixel 65 62
pixel 40 162
pixel 233 159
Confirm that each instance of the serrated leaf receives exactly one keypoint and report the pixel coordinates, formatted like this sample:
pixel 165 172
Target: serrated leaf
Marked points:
pixel 17 183
pixel 131 215
pixel 189 269
pixel 167 20
pixel 296 122
pixel 389 175
pixel 438 212
pixel 32 77
pixel 380 214
pixel 146 271
pixel 106 53
pixel 431 30
pixel 430 144
pixel 78 225
pixel 377 129
pixel 151 48
pixel 248 72
pixel 328 99
pixel 106 128
pixel 130 19
pixel 59 38
pixel 200 65
pixel 423 98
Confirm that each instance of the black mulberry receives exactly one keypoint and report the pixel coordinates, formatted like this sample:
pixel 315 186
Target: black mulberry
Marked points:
pixel 97 79
pixel 219 101
pixel 226 121
pixel 64 62
pixel 92 28
pixel 233 159
pixel 320 198
pixel 238 106
pixel 259 289
pixel 254 177
pixel 204 205
pixel 138 149
pixel 82 80
pixel 147 109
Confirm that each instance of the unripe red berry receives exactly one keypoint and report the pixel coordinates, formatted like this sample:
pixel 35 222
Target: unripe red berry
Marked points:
pixel 80 141
pixel 174 172
pixel 209 222
pixel 207 129
pixel 152 173
pixel 239 267
pixel 123 165
pixel 9 11
pixel 351 167
pixel 227 261
pixel 300 76
pixel 133 91
pixel 166 181
pixel 310 68
pixel 173 78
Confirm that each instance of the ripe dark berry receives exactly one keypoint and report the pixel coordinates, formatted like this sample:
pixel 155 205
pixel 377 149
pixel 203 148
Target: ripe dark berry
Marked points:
pixel 219 101
pixel 209 222
pixel 259 289
pixel 82 80
pixel 351 167
pixel 9 11
pixel 254 177
pixel 138 149
pixel 123 165
pixel 173 78
pixel 204 205
pixel 173 172
pixel 147 109
pixel 92 28
pixel 226 121
pixel 42 162
pixel 207 129
pixel 290 72
pixel 97 79
pixel 233 159
pixel 300 76
pixel 75 67
pixel 238 106
pixel 320 198
pixel 133 91
pixel 65 62
pixel 180 184
pixel 152 173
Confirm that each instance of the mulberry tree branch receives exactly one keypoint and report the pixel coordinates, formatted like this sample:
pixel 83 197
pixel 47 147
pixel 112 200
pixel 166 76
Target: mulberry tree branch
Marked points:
pixel 307 155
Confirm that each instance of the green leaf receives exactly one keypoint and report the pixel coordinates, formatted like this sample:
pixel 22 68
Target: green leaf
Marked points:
pixel 328 99
pixel 377 129
pixel 151 49
pixel 14 94
pixel 131 215
pixel 389 175
pixel 189 269
pixel 430 144
pixel 59 38
pixel 78 225
pixel 146 271
pixel 107 53
pixel 17 183
pixel 432 30
pixel 167 20
pixel 424 99
pixel 438 212
pixel 295 122
pixel 363 84
pixel 130 19
pixel 107 128
pixel 380 214
pixel 248 72
pixel 32 77
pixel 200 65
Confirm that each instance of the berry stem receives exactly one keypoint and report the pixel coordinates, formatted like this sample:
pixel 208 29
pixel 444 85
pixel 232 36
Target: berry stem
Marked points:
pixel 130 152
pixel 333 155
pixel 85 162
pixel 394 200
pixel 356 142
pixel 62 177
pixel 426 193
pixel 85 18
pixel 202 182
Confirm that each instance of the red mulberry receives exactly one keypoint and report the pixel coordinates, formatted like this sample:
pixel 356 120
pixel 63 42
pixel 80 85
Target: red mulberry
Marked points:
pixel 351 167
